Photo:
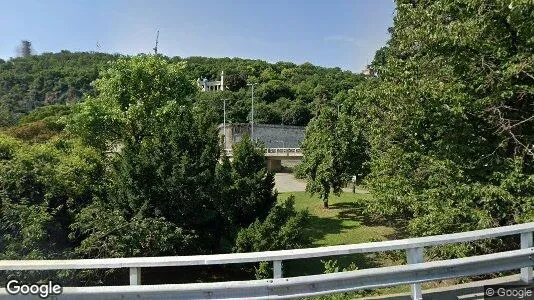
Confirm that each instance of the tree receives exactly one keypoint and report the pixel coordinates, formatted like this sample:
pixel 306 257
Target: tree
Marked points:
pixel 451 133
pixel 44 186
pixel 134 95
pixel 335 148
pixel 321 164
pixel 253 184
pixel 235 82
pixel 165 156
pixel 282 229
pixel 165 169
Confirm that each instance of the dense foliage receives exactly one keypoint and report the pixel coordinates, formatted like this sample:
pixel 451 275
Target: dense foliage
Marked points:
pixel 450 116
pixel 49 78
pixel 284 93
pixel 134 170
pixel 283 227
pixel 335 149
pixel 42 189
pixel 448 120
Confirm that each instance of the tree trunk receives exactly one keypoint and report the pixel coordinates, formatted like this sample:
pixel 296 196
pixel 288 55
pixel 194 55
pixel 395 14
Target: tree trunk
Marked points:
pixel 325 204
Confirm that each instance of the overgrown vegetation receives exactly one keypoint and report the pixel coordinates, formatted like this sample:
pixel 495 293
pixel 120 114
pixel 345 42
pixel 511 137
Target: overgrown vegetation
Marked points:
pixel 443 136
pixel 134 170
pixel 449 119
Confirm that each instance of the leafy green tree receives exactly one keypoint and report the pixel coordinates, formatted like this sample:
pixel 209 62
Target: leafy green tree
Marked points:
pixel 109 233
pixel 283 228
pixel 266 114
pixel 134 95
pixel 273 90
pixel 451 132
pixel 165 170
pixel 253 184
pixel 165 157
pixel 335 148
pixel 43 187
pixel 235 82
pixel 322 162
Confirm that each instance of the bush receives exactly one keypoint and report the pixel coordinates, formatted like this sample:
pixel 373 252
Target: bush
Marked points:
pixel 282 229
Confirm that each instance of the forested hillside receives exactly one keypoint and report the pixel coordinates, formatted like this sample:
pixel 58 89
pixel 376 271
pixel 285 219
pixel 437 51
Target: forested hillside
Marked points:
pixel 30 82
pixel 285 92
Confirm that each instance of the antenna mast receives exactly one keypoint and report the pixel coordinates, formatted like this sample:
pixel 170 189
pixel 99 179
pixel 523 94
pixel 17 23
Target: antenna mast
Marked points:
pixel 156 48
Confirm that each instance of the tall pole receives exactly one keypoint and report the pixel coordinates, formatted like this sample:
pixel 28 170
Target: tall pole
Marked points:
pixel 252 128
pixel 224 124
pixel 252 118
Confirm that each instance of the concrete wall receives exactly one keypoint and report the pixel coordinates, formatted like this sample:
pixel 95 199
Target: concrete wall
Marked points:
pixel 272 136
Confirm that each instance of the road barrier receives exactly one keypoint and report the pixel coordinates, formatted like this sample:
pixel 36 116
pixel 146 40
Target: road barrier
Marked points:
pixel 414 273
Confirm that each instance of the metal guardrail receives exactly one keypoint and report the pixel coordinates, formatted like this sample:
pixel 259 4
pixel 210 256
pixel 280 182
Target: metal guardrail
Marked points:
pixel 276 151
pixel 414 273
pixel 282 150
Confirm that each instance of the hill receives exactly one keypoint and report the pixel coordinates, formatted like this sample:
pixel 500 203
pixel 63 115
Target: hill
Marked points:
pixel 285 92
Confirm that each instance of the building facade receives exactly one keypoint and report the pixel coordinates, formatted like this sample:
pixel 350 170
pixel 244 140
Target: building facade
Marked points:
pixel 216 85
pixel 272 136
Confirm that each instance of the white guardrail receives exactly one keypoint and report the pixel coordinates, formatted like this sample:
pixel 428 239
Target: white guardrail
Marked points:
pixel 275 152
pixel 414 273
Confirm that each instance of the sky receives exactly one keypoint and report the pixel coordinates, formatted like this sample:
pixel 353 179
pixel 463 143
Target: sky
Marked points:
pixel 329 33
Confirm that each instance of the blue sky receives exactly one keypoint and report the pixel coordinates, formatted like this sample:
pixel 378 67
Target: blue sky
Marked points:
pixel 331 33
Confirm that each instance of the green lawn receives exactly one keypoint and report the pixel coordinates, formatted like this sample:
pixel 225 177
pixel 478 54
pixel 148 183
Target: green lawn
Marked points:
pixel 343 223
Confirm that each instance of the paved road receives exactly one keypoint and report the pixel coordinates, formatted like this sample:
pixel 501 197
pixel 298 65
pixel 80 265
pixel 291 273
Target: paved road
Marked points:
pixel 286 182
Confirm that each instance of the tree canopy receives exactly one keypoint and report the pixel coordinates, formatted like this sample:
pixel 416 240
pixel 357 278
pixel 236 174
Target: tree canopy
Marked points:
pixel 55 78
pixel 449 116
pixel 136 169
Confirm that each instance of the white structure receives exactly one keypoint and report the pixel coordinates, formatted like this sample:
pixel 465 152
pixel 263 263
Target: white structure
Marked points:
pixel 414 273
pixel 368 71
pixel 217 85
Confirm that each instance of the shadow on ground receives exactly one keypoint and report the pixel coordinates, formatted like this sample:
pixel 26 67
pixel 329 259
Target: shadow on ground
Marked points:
pixel 324 226
pixel 336 224
pixel 355 211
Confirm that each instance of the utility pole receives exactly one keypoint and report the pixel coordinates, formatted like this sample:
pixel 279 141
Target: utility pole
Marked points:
pixel 224 124
pixel 252 118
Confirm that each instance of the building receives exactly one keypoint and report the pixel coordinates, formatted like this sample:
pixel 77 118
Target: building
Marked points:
pixel 270 135
pixel 216 85
pixel 368 71
pixel 281 142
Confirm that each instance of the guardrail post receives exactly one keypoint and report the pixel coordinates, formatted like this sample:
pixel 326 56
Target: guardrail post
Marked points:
pixel 277 268
pixel 526 242
pixel 135 276
pixel 415 256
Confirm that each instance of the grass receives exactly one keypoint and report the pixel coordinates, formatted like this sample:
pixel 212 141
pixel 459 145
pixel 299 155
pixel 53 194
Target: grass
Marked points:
pixel 343 223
